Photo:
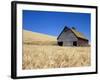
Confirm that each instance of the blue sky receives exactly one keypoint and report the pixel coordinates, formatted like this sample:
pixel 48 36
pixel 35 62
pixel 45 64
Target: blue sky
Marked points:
pixel 52 23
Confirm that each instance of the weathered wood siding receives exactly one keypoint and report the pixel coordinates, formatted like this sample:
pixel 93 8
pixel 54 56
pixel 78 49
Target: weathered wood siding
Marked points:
pixel 82 42
pixel 67 37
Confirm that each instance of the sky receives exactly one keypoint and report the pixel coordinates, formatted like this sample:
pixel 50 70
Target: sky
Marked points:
pixel 52 23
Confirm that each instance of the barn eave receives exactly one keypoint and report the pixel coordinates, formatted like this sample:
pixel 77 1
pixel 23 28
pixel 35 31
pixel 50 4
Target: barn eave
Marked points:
pixel 62 32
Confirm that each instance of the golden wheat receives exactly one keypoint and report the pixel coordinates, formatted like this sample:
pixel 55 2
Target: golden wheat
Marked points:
pixel 41 51
pixel 46 56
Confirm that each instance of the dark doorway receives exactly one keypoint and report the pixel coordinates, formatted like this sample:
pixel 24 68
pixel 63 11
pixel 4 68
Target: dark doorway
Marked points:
pixel 60 43
pixel 75 43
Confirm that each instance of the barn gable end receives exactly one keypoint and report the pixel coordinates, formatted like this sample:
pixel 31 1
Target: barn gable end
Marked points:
pixel 67 38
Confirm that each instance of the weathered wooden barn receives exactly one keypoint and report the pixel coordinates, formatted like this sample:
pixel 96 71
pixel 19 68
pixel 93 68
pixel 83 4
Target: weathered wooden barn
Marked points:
pixel 71 37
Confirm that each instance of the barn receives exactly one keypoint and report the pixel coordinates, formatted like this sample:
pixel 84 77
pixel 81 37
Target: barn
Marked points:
pixel 71 37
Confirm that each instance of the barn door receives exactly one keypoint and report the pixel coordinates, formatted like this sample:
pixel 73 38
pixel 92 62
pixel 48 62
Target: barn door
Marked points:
pixel 60 43
pixel 75 43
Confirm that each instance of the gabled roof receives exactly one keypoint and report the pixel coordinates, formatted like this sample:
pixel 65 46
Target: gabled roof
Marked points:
pixel 76 33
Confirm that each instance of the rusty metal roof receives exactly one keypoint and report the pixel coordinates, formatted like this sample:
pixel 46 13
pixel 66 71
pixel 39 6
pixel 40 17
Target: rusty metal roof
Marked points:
pixel 78 34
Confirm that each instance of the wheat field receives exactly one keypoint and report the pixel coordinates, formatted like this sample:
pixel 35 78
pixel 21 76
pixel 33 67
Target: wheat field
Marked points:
pixel 39 56
pixel 47 54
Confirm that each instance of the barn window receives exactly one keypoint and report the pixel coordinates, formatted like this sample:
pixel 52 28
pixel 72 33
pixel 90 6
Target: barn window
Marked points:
pixel 75 43
pixel 60 43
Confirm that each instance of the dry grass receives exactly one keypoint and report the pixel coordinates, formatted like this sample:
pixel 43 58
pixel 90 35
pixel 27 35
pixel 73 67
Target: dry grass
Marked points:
pixel 41 51
pixel 39 56
pixel 29 36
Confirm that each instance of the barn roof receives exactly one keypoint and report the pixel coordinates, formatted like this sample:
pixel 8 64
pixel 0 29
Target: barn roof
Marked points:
pixel 76 33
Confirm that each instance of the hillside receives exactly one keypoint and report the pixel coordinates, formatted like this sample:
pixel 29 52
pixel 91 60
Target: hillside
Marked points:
pixel 30 37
